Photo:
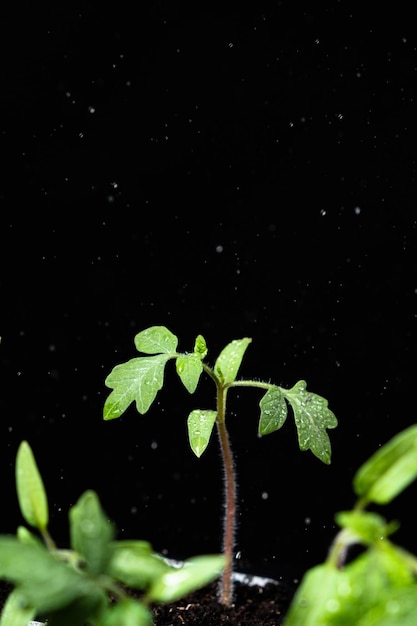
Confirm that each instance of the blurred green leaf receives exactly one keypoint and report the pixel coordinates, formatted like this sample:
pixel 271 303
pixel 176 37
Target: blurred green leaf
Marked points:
pixel 397 607
pixel 229 360
pixel 135 564
pixel 317 591
pixel 273 411
pixel 25 536
pixel 15 610
pixel 45 582
pixel 193 574
pixel 82 611
pixel 30 489
pixel 200 426
pixel 126 613
pixel 91 532
pixel 312 418
pixel 356 594
pixel 389 470
pixel 367 526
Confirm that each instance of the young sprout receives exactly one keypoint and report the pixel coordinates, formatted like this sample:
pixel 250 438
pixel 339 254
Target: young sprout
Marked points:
pixel 379 586
pixel 139 380
pixel 87 582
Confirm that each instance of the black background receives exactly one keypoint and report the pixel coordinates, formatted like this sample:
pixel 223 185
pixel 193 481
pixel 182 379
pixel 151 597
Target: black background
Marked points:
pixel 226 171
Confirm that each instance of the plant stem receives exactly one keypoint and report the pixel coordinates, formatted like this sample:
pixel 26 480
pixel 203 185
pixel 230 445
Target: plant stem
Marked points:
pixel 226 585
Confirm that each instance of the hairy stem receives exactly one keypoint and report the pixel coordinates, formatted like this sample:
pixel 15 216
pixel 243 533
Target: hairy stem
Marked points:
pixel 226 587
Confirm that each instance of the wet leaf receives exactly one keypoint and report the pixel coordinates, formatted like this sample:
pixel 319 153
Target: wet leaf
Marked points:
pixel 30 489
pixel 229 360
pixel 273 411
pixel 155 340
pixel 189 369
pixel 200 347
pixel 312 418
pixel 200 426
pixel 137 380
pixel 389 470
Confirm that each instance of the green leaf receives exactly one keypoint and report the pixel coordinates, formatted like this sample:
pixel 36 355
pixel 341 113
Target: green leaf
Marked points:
pixel 389 470
pixel 397 607
pixel 91 532
pixel 316 592
pixel 156 340
pixel 82 611
pixel 189 369
pixel 273 411
pixel 200 426
pixel 127 612
pixel 15 610
pixel 30 488
pixel 135 564
pixel 25 536
pixel 362 593
pixel 193 574
pixel 367 526
pixel 200 347
pixel 312 417
pixel 138 380
pixel 229 360
pixel 43 580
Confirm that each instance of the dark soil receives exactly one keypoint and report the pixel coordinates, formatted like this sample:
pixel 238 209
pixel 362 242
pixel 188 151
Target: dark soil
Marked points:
pixel 254 605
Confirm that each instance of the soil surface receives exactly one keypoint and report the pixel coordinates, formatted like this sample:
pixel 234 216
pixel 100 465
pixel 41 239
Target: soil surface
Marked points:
pixel 254 605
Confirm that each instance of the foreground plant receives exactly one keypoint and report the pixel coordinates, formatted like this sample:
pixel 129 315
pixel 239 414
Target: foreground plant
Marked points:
pixel 92 582
pixel 139 380
pixel 378 587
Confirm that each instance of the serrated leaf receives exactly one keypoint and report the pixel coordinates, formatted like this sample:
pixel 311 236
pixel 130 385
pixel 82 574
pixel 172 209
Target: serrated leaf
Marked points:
pixel 189 369
pixel 30 488
pixel 389 470
pixel 273 411
pixel 229 360
pixel 156 340
pixel 137 380
pixel 200 426
pixel 193 574
pixel 312 418
pixel 91 532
